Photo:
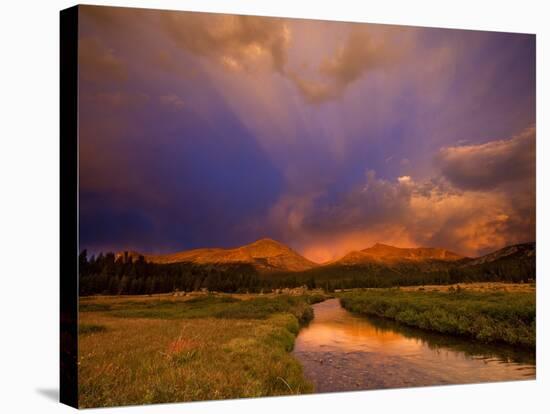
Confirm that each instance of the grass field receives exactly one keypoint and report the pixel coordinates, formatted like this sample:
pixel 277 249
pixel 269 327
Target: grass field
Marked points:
pixel 488 314
pixel 477 287
pixel 165 348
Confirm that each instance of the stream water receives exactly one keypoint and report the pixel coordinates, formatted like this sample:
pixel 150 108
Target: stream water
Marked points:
pixel 343 352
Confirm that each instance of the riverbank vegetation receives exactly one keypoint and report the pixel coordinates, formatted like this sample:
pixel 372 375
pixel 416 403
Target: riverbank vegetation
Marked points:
pixel 487 316
pixel 156 349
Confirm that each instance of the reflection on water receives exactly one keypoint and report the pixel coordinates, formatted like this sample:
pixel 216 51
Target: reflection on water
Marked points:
pixel 342 352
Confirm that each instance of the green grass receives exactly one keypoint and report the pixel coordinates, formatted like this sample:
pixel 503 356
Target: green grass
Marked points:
pixel 209 306
pixel 507 317
pixel 179 349
pixel 89 306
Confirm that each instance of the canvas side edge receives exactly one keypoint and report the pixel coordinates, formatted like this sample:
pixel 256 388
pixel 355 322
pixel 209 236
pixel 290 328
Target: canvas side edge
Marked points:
pixel 68 54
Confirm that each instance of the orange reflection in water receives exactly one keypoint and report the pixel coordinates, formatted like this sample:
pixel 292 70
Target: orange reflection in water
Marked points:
pixel 341 351
pixel 358 337
pixel 334 327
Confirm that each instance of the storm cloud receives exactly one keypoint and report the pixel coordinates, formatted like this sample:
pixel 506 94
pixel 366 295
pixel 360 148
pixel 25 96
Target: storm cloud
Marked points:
pixel 406 213
pixel 203 130
pixel 491 164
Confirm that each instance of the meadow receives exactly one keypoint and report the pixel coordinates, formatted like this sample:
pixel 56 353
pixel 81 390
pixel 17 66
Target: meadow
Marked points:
pixel 156 349
pixel 206 346
pixel 484 312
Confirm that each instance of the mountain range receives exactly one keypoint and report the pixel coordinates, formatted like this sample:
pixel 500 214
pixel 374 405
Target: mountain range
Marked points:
pixel 270 256
pixel 264 254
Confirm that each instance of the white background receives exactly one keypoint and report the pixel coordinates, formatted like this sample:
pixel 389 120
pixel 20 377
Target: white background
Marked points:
pixel 29 206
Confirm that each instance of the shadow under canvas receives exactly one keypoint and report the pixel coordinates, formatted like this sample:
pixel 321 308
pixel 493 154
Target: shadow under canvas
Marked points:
pixel 49 393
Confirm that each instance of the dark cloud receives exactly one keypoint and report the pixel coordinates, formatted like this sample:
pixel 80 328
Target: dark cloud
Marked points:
pixel 160 182
pixel 487 166
pixel 374 201
pixel 199 130
pixel 99 63
pixel 101 218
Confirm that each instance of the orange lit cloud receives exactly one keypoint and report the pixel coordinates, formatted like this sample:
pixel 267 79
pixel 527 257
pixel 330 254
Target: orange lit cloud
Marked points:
pixel 248 43
pixel 365 49
pixel 236 42
pixel 433 212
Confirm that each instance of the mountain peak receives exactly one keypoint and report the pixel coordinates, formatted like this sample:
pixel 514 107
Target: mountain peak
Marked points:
pixel 266 241
pixel 517 250
pixel 265 254
pixel 384 253
pixel 382 245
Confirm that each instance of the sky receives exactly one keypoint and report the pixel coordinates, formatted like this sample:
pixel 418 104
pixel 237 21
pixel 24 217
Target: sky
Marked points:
pixel 212 130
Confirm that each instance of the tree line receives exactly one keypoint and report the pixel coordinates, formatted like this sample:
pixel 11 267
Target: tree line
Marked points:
pixel 111 275
pixel 123 275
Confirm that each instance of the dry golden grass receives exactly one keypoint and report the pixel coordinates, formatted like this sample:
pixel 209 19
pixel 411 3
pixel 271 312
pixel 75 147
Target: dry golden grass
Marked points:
pixel 154 360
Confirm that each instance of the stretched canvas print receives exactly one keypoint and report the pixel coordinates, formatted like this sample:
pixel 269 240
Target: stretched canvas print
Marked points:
pixel 256 206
